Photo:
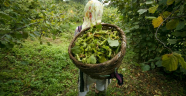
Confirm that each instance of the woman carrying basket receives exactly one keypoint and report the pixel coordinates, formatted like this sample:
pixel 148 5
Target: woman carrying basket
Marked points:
pixel 93 15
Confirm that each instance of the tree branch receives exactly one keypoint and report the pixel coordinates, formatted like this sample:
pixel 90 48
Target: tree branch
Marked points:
pixel 25 26
pixel 161 24
pixel 178 17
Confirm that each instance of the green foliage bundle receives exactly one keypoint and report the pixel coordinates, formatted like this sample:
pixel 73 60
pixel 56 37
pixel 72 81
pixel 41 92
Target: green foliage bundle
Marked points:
pixel 155 28
pixel 96 46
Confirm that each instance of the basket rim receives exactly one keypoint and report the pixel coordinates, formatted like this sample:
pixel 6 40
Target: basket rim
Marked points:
pixel 97 64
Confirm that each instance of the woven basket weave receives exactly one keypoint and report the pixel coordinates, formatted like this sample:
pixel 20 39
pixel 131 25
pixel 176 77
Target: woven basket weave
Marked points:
pixel 101 70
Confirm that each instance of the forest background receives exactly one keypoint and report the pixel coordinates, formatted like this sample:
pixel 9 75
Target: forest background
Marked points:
pixel 35 35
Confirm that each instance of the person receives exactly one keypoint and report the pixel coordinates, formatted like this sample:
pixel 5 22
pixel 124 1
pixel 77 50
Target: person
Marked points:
pixel 93 15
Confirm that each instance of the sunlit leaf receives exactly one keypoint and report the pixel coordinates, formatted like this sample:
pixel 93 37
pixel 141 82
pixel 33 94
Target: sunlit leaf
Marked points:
pixel 149 2
pixel 150 17
pixel 157 21
pixel 169 2
pixel 113 42
pixel 170 62
pixel 141 11
pixel 172 24
pixel 153 9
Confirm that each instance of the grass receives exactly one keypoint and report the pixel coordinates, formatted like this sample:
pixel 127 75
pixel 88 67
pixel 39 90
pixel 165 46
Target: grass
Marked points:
pixel 42 70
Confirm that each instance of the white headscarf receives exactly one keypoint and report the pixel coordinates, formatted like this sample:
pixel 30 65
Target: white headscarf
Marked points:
pixel 93 13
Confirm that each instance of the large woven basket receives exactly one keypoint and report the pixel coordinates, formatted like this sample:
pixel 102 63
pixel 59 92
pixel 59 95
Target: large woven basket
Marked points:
pixel 101 70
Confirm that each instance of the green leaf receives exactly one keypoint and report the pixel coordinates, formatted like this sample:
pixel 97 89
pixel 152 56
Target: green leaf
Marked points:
pixel 98 26
pixel 113 42
pixel 172 41
pixel 172 24
pixel 152 65
pixel 177 34
pixel 166 14
pixel 164 2
pixel 76 50
pixel 159 63
pixel 169 2
pixel 170 62
pixel 91 59
pixel 141 11
pixel 149 2
pixel 153 9
pixel 181 60
pixel 150 17
pixel 102 59
pixel 180 25
pixel 145 67
pixel 8 36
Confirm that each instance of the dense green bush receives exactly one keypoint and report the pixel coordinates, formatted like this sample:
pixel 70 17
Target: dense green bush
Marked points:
pixel 149 38
pixel 110 15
